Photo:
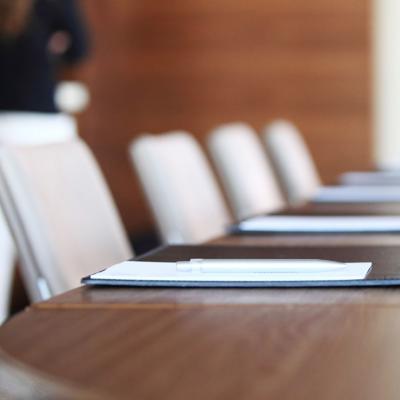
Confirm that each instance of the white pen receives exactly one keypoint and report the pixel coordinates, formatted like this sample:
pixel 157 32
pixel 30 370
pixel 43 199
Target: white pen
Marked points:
pixel 265 266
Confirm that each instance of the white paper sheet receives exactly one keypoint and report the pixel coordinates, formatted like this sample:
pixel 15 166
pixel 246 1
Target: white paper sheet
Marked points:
pixel 321 224
pixel 357 194
pixel 377 178
pixel 166 271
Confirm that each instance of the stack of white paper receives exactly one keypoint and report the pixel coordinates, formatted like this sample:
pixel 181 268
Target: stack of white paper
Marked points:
pixel 321 224
pixel 378 178
pixel 357 194
pixel 319 270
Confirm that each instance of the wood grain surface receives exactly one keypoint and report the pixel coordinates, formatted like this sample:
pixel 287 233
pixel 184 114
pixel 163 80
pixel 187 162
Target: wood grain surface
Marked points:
pixel 143 299
pixel 279 351
pixel 157 66
pixel 17 381
pixel 310 241
pixel 220 343
pixel 343 209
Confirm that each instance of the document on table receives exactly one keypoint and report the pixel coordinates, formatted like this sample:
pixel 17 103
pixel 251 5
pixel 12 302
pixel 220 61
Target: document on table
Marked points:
pixel 236 271
pixel 319 224
pixel 376 178
pixel 357 194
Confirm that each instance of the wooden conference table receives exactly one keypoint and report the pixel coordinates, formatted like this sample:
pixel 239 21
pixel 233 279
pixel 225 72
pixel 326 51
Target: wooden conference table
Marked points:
pixel 219 343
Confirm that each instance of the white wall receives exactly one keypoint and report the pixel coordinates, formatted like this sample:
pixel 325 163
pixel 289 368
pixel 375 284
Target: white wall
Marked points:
pixel 386 85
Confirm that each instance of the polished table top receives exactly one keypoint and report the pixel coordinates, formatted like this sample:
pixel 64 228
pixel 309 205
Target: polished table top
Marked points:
pixel 219 343
pixel 343 209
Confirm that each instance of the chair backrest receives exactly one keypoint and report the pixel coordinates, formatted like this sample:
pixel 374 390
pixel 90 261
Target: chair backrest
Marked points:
pixel 180 188
pixel 245 171
pixel 292 161
pixel 61 214
pixel 33 128
pixel 25 128
pixel 7 263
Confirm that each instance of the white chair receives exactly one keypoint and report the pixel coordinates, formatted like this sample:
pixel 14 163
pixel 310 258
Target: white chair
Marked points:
pixel 180 188
pixel 25 128
pixel 31 128
pixel 7 266
pixel 292 161
pixel 245 171
pixel 61 214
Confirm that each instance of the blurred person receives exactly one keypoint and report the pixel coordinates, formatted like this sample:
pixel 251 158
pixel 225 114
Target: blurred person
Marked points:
pixel 37 38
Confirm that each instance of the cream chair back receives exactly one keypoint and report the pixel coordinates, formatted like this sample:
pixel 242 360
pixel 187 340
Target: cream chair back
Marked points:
pixel 245 171
pixel 61 214
pixel 7 264
pixel 32 128
pixel 25 128
pixel 180 188
pixel 292 160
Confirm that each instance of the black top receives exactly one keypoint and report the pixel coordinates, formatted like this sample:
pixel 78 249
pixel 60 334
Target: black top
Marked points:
pixel 27 69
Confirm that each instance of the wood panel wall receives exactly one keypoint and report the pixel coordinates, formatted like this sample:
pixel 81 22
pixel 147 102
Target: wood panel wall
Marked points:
pixel 161 65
